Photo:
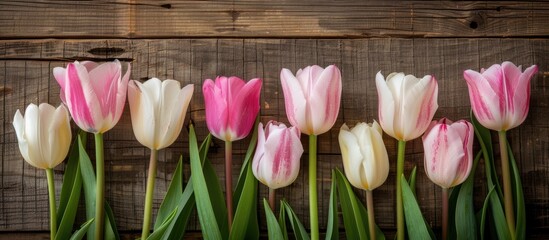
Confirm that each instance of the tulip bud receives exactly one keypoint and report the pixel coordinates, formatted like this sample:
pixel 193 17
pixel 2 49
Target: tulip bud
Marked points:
pixel 406 104
pixel 231 106
pixel 158 110
pixel 43 134
pixel 448 152
pixel 94 94
pixel 500 95
pixel 277 157
pixel 312 98
pixel 365 158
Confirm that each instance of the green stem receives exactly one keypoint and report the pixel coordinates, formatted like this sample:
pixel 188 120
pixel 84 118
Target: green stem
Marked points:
pixel 507 192
pixel 51 193
pixel 444 213
pixel 229 180
pixel 312 188
pixel 371 218
pixel 149 195
pixel 100 191
pixel 272 199
pixel 400 171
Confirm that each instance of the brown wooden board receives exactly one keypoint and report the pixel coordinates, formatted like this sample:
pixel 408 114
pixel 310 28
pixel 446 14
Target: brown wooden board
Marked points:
pixel 26 77
pixel 260 18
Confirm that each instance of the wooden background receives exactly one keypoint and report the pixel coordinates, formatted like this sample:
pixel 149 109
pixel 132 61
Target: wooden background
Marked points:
pixel 194 40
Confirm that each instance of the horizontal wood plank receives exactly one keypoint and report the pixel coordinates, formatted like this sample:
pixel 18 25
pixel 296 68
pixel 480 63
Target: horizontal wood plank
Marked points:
pixel 271 19
pixel 26 77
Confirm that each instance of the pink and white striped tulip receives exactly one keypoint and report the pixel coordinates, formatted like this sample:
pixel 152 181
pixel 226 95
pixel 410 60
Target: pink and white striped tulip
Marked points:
pixel 365 158
pixel 406 104
pixel 448 152
pixel 94 94
pixel 158 110
pixel 500 95
pixel 231 106
pixel 312 97
pixel 277 156
pixel 43 134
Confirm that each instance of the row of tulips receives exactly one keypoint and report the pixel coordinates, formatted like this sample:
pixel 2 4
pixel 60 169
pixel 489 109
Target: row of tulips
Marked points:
pixel 95 96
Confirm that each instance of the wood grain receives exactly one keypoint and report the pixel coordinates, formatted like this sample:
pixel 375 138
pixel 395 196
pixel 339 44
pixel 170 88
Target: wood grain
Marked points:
pixel 271 19
pixel 26 77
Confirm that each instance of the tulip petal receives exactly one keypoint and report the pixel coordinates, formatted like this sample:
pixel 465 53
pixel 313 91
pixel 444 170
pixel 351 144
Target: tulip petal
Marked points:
pixel 352 157
pixel 386 105
pixel 19 124
pixel 420 100
pixel 284 149
pixel 324 99
pixel 104 80
pixel 59 74
pixel 142 113
pixel 295 101
pixel 216 109
pixel 244 109
pixel 81 99
pixel 520 97
pixel 257 161
pixel 59 135
pixel 484 100
pixel 32 136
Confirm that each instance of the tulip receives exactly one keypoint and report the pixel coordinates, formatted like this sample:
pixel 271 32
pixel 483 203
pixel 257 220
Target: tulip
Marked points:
pixel 158 110
pixel 448 152
pixel 500 98
pixel 231 109
pixel 277 156
pixel 406 106
pixel 312 99
pixel 365 161
pixel 365 158
pixel 231 106
pixel 448 157
pixel 500 95
pixel 95 95
pixel 44 137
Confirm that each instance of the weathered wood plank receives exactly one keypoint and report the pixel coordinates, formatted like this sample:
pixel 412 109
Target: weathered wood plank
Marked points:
pixel 260 18
pixel 25 69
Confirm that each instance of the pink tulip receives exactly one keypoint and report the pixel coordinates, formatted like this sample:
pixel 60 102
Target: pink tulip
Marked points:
pixel 94 94
pixel 231 106
pixel 276 161
pixel 406 104
pixel 312 98
pixel 448 152
pixel 500 95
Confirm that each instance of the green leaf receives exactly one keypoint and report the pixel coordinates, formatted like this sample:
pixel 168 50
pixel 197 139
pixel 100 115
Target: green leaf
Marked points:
pixel 110 225
pixel 88 180
pixel 159 232
pixel 518 197
pixel 282 221
pixel 499 217
pixel 355 227
pixel 332 231
pixel 79 234
pixel 273 229
pixel 412 180
pixel 452 235
pixel 173 196
pixel 186 203
pixel 485 139
pixel 70 194
pixel 485 207
pixel 244 212
pixel 217 198
pixel 299 231
pixel 252 231
pixel 69 176
pixel 465 221
pixel 206 216
pixel 415 223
